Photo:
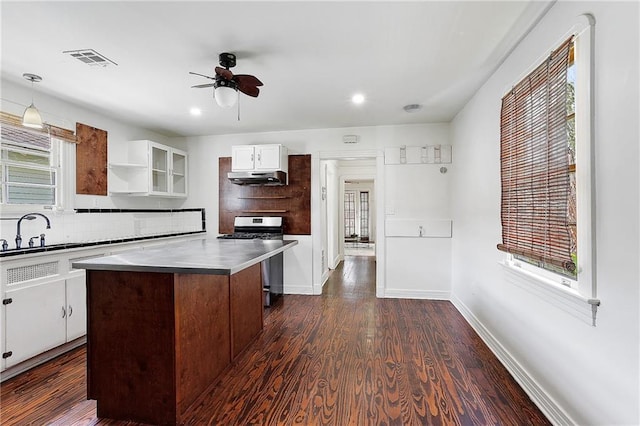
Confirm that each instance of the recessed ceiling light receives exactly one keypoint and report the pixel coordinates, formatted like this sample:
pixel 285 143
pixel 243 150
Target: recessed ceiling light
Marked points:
pixel 195 111
pixel 358 98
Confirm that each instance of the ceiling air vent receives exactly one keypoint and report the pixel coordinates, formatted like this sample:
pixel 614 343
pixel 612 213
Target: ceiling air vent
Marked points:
pixel 90 57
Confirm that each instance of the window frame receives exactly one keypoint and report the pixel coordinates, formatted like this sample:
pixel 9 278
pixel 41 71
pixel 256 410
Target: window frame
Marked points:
pixel 579 295
pixel 60 155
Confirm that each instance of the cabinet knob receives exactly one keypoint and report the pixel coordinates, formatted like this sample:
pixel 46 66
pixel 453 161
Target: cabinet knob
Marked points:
pixel 64 312
pixel 70 310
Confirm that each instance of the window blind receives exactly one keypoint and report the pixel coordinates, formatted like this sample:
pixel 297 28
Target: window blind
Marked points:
pixel 48 129
pixel 28 175
pixel 534 165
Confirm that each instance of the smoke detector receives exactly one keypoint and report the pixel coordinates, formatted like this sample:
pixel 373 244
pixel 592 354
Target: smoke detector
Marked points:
pixel 90 57
pixel 412 108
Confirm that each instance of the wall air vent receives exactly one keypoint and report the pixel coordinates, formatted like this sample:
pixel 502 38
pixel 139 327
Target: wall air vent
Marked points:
pixel 90 57
pixel 350 139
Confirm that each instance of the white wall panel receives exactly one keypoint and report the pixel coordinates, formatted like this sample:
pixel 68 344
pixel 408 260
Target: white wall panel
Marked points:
pixel 298 261
pixel 418 268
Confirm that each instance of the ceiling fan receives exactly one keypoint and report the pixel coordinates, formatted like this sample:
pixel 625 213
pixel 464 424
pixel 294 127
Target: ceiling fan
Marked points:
pixel 226 85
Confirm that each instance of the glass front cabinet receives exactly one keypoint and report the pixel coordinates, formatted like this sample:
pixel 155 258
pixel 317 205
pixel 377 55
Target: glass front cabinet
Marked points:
pixel 151 169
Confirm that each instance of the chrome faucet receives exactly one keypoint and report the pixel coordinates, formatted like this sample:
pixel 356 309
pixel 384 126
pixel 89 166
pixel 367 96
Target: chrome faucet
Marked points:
pixel 30 216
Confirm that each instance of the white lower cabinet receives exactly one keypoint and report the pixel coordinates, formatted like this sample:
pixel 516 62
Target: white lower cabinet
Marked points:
pixel 44 305
pixel 35 320
pixel 43 316
pixel 76 292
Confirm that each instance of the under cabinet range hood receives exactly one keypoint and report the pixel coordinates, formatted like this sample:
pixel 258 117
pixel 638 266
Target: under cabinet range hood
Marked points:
pixel 275 178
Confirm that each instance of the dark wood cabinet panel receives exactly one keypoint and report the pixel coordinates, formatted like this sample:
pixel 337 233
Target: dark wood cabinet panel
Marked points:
pixel 246 308
pixel 91 160
pixel 292 201
pixel 156 341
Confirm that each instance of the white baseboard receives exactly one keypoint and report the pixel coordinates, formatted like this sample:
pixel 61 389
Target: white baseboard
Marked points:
pixel 293 289
pixel 545 403
pixel 417 294
pixel 41 359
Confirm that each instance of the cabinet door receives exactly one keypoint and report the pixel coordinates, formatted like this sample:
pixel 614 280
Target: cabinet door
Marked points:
pixel 178 172
pixel 159 169
pixel 242 158
pixel 35 320
pixel 267 157
pixel 76 306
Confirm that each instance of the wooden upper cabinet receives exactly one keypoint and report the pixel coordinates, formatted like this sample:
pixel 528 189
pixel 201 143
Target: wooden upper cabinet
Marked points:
pixel 91 160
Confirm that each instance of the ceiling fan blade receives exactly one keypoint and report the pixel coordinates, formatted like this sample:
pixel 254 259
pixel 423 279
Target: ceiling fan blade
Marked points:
pixel 201 86
pixel 202 75
pixel 226 74
pixel 249 90
pixel 248 79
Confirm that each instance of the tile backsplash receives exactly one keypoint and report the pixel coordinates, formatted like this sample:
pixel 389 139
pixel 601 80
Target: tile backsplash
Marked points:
pixel 90 225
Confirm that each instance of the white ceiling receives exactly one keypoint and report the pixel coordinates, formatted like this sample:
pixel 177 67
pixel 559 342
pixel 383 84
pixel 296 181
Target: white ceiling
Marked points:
pixel 311 56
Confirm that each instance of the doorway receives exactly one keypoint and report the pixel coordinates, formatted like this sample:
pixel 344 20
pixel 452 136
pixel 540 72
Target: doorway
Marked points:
pixel 336 169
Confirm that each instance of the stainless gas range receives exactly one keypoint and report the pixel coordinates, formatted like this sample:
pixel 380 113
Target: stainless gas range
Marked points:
pixel 263 228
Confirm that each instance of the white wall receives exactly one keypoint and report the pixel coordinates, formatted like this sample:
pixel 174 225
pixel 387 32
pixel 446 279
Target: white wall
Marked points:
pixel 332 207
pixel 589 374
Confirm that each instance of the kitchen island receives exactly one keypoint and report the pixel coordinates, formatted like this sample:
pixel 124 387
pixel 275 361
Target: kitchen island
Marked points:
pixel 163 323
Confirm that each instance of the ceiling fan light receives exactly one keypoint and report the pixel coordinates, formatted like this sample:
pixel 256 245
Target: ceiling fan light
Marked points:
pixel 31 117
pixel 226 96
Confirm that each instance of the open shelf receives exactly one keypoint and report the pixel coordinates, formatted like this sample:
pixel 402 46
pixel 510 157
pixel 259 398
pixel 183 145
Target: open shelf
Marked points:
pixel 264 211
pixel 275 197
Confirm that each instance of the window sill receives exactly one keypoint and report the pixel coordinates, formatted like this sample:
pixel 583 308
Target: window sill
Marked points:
pixel 564 298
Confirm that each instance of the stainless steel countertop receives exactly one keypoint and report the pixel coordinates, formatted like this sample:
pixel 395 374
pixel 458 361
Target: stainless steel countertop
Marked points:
pixel 199 256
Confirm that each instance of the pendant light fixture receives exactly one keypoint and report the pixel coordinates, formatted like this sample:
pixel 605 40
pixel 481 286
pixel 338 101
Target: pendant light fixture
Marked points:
pixel 31 116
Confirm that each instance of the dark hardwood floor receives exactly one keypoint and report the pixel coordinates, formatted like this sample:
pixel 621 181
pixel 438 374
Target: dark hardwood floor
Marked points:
pixel 343 358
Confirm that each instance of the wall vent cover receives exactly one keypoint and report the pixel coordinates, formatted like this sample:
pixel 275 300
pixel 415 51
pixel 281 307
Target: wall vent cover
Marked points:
pixel 31 272
pixel 90 57
pixel 350 139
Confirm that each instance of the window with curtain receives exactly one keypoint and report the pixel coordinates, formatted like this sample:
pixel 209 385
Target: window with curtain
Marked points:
pixel 29 167
pixel 537 164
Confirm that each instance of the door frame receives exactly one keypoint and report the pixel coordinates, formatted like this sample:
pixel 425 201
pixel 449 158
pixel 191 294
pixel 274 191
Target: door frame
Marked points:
pixel 378 183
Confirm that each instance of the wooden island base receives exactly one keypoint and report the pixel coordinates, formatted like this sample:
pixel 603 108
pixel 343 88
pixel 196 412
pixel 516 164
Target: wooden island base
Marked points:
pixel 156 341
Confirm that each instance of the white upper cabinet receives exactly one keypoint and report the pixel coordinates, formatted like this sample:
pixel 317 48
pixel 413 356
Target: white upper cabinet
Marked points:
pixel 151 169
pixel 242 158
pixel 269 157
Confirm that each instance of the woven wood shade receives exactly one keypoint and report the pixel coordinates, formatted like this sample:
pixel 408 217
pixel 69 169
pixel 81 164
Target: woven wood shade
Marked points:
pixel 56 132
pixel 534 164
